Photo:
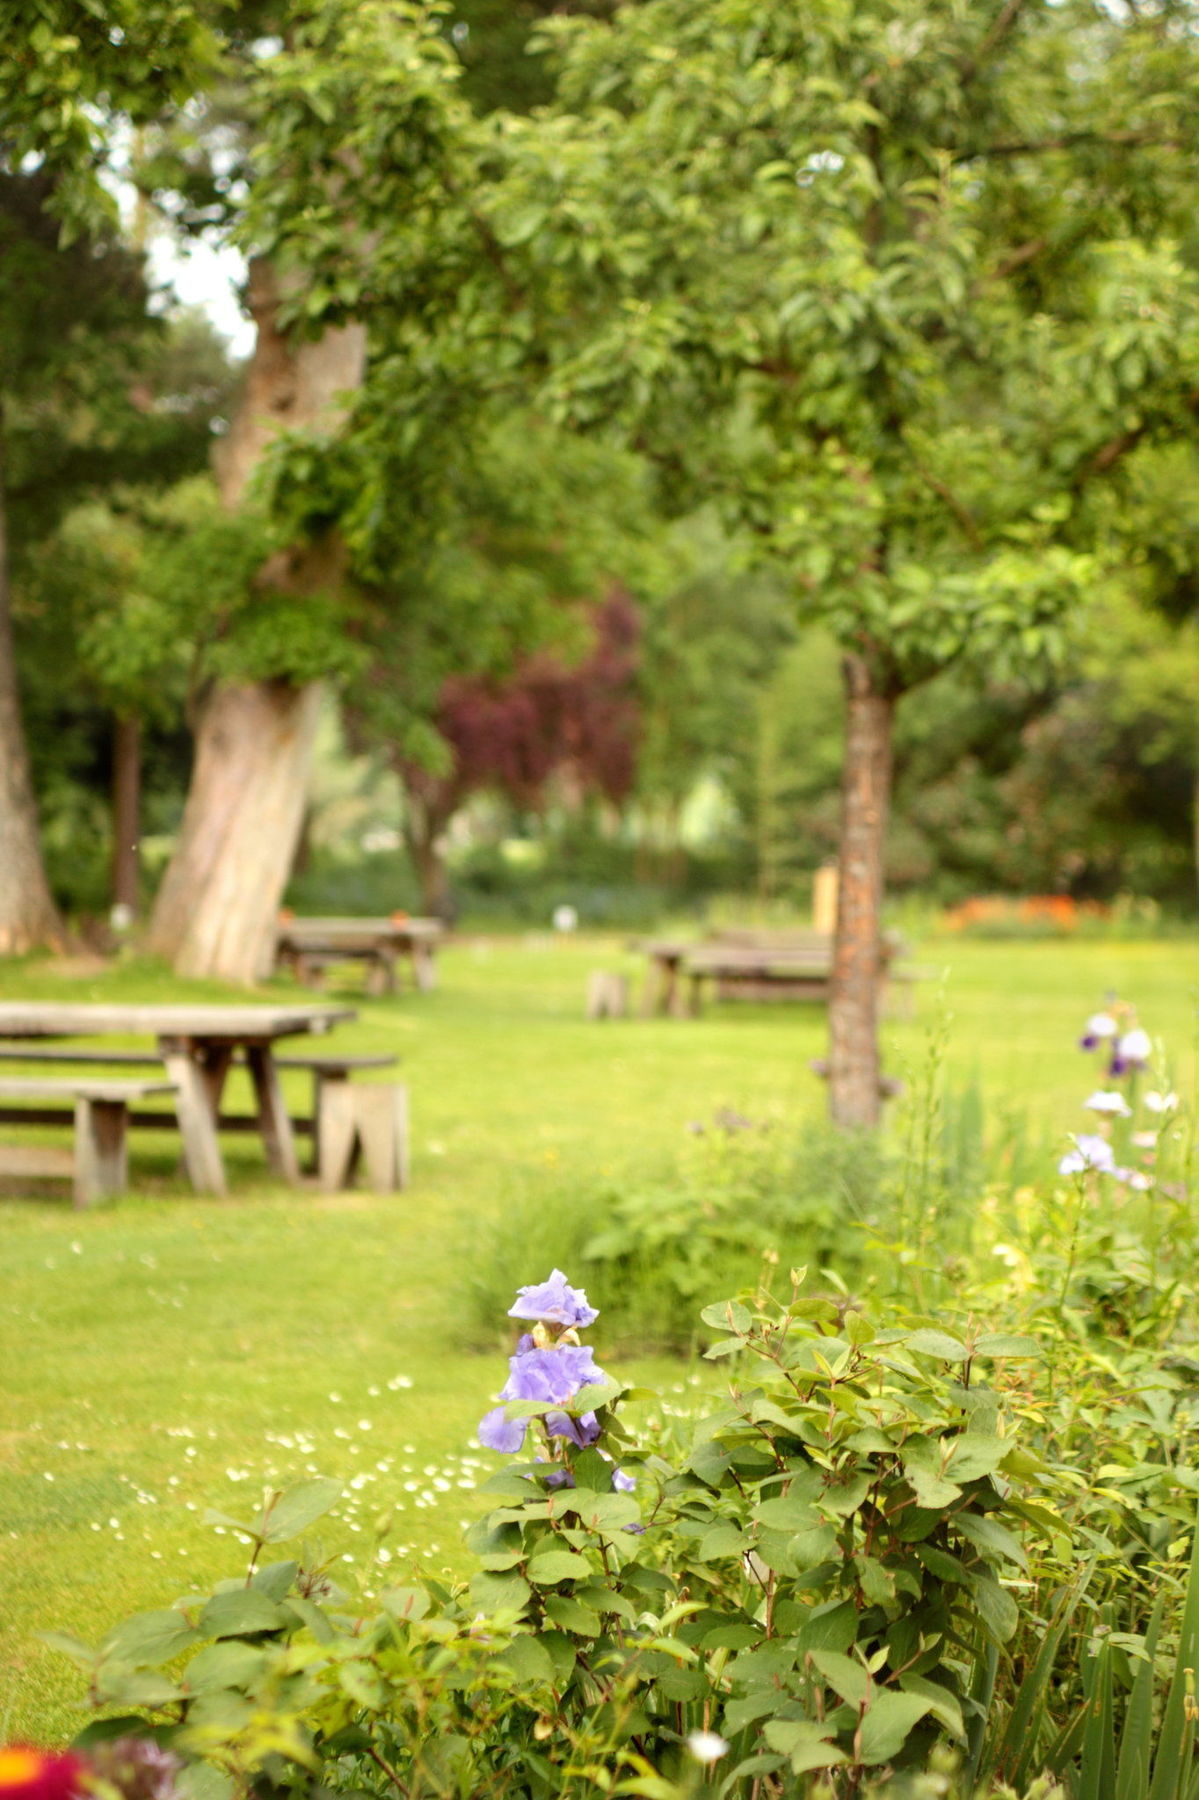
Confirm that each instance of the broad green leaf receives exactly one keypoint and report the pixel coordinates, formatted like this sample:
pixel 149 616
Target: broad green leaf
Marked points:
pixel 1002 1343
pixel 972 1456
pixel 997 1609
pixel 988 1535
pixel 363 1683
pixel 240 1614
pixel 230 1664
pixel 847 1677
pixel 549 1566
pixel 300 1507
pixel 728 1315
pixel 938 1344
pixel 805 1742
pixel 499 1593
pixel 66 1645
pixel 529 1661
pixel 889 1718
pixel 945 1707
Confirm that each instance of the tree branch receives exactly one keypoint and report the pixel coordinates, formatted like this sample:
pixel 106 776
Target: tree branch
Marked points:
pixel 999 30
pixel 1068 140
pixel 958 508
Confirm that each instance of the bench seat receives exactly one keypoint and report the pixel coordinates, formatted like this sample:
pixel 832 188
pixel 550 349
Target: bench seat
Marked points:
pixel 98 1106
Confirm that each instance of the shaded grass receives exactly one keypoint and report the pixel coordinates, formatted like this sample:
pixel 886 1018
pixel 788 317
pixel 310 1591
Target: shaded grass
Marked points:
pixel 239 1321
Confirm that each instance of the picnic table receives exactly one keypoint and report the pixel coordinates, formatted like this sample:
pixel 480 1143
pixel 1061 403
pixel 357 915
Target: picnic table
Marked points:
pixel 744 963
pixel 197 1045
pixel 308 946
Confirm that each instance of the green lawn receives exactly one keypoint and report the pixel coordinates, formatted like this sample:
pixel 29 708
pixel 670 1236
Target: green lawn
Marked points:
pixel 170 1354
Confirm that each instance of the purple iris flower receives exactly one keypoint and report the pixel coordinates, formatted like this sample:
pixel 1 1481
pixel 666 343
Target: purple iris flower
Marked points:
pixel 555 1302
pixel 547 1375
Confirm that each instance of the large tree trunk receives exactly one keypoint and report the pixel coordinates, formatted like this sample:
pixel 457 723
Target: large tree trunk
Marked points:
pixel 126 816
pixel 28 917
pixel 256 740
pixel 854 1065
pixel 245 806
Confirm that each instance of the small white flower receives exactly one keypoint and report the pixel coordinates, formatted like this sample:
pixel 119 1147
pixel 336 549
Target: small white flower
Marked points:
pixel 707 1746
pixel 1102 1025
pixel 1160 1103
pixel 1107 1100
pixel 1135 1045
pixel 1090 1152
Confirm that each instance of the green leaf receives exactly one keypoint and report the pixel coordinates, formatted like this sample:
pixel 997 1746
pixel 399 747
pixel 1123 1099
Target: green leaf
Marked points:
pixel 1002 1343
pixel 275 1580
pixel 806 1742
pixel 996 1607
pixel 549 1566
pixel 845 1676
pixel 938 1344
pixel 944 1706
pixel 499 1593
pixel 363 1683
pixel 231 1664
pixel 405 1603
pixel 298 1508
pixel 974 1455
pixel 119 1685
pixel 567 1613
pixel 66 1645
pixel 787 1514
pixel 728 1315
pixel 529 1661
pixel 888 1720
pixel 150 1638
pixel 240 1614
pixel 989 1536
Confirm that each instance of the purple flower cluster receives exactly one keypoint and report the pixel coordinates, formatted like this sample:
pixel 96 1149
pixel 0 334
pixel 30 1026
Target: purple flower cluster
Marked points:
pixel 549 1368
pixel 556 1374
pixel 1130 1045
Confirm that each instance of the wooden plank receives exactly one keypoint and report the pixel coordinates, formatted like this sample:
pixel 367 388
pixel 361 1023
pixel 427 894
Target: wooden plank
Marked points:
pixel 41 1053
pixel 95 1087
pixel 234 1024
pixel 40 1161
pixel 328 1064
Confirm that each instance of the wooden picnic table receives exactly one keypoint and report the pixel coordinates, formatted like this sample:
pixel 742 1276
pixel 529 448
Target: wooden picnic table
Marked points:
pixel 307 946
pixel 744 963
pixel 197 1045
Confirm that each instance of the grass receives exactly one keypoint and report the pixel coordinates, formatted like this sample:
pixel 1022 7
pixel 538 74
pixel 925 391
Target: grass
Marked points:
pixel 171 1354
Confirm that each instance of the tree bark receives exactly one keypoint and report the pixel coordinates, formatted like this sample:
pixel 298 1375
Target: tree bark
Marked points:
pixel 215 911
pixel 218 902
pixel 29 919
pixel 126 813
pixel 423 828
pixel 854 1061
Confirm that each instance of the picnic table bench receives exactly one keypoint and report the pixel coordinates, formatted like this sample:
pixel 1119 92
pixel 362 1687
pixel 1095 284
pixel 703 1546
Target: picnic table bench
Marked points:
pixel 196 1046
pixel 743 963
pixel 98 1106
pixel 309 946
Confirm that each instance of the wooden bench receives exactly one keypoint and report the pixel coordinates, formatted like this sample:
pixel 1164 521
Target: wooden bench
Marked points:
pixel 307 947
pixel 328 1069
pixel 98 1106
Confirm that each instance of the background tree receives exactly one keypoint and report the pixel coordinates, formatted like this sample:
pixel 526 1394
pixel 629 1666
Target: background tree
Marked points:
pixel 899 287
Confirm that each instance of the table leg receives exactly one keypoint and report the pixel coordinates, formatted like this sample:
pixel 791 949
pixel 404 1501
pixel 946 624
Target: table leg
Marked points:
pixel 273 1121
pixel 196 1113
pixel 424 970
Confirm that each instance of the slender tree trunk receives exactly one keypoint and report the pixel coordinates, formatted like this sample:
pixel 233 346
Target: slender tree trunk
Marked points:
pixel 854 1063
pixel 423 828
pixel 126 813
pixel 28 916
pixel 216 908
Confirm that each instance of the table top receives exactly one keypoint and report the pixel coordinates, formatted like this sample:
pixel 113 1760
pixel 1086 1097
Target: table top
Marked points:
pixel 305 931
pixel 53 1018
